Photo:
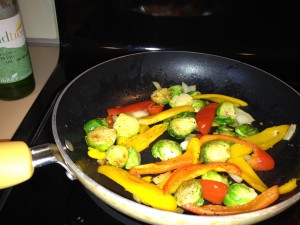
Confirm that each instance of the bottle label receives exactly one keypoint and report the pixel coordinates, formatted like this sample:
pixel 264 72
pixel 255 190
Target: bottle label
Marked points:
pixel 15 64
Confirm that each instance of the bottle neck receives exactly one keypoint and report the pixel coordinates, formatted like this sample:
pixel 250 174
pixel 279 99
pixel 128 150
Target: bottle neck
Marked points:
pixel 7 9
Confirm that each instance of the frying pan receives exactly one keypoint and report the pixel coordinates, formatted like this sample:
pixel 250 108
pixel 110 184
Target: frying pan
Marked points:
pixel 128 79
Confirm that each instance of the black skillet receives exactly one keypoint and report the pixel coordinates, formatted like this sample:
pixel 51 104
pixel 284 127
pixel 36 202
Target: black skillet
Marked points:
pixel 129 79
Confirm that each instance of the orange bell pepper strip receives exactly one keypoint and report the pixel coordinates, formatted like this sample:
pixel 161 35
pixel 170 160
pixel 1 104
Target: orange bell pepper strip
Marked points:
pixel 221 98
pixel 148 193
pixel 263 200
pixel 268 137
pixel 142 141
pixel 248 174
pixel 261 160
pixel 152 119
pixel 190 156
pixel 188 172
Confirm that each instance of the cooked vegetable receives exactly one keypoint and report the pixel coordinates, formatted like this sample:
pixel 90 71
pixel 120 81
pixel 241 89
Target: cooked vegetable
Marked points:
pixel 205 117
pixel 215 151
pixel 225 113
pixel 166 114
pixel 218 98
pixel 181 100
pixel 142 140
pixel 148 193
pixel 288 186
pixel 176 89
pixel 198 104
pixel 243 117
pixel 226 130
pixel 187 172
pixel 190 156
pixel 180 128
pixel 101 138
pixel 261 160
pixel 126 125
pixel 239 194
pixel 213 175
pixel 166 149
pixel 189 191
pixel 213 191
pixel 129 108
pixel 246 130
pixel 117 155
pixel 93 123
pixel 133 159
pixel 263 200
pixel 161 96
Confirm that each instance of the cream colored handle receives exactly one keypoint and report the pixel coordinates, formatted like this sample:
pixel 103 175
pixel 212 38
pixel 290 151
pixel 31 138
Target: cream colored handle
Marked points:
pixel 15 163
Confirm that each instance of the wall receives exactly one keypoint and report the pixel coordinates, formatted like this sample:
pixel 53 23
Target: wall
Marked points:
pixel 39 19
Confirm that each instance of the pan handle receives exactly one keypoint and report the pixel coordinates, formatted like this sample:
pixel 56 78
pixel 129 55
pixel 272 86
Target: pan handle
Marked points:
pixel 18 161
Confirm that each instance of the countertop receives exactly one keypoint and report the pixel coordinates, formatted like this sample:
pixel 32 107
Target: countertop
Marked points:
pixel 44 60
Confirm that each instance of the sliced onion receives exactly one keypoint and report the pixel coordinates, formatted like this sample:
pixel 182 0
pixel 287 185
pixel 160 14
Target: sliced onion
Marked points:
pixel 157 85
pixel 139 114
pixel 236 178
pixel 290 132
pixel 243 117
pixel 187 88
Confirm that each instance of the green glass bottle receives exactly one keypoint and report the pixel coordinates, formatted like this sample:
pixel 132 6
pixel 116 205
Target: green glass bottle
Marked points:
pixel 16 75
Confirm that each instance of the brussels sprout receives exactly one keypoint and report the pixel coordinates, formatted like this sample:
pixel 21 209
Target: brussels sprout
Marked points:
pixel 117 155
pixel 134 158
pixel 181 100
pixel 239 194
pixel 161 96
pixel 189 191
pixel 215 151
pixel 176 90
pixel 225 113
pixel 184 114
pixel 126 125
pixel 213 175
pixel 101 138
pixel 166 149
pixel 223 129
pixel 180 128
pixel 93 123
pixel 193 93
pixel 246 130
pixel 198 104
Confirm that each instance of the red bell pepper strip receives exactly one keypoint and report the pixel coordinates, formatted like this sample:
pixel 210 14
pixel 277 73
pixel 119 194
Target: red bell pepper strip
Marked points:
pixel 260 160
pixel 213 191
pixel 190 156
pixel 205 117
pixel 154 108
pixel 129 108
pixel 110 121
pixel 187 172
pixel 263 200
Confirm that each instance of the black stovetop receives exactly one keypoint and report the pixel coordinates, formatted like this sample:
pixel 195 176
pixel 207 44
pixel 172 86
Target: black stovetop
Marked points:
pixel 91 31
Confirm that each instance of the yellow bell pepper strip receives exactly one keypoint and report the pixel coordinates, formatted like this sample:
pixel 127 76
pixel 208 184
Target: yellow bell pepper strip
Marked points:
pixel 152 119
pixel 248 174
pixel 96 154
pixel 221 98
pixel 288 186
pixel 148 193
pixel 237 150
pixel 142 141
pixel 263 200
pixel 268 137
pixel 190 156
pixel 260 159
pixel 188 172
